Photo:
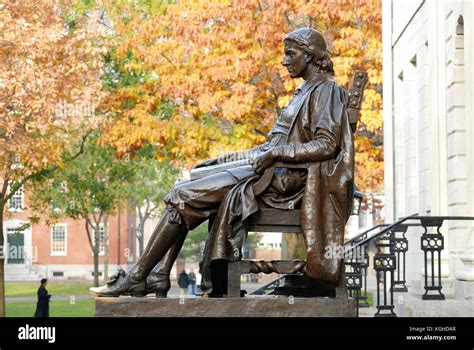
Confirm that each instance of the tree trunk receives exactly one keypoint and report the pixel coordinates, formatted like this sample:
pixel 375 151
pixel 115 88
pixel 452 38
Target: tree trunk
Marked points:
pixel 96 267
pixel 141 240
pixel 293 246
pixel 2 266
pixel 96 248
pixel 106 249
pixel 142 219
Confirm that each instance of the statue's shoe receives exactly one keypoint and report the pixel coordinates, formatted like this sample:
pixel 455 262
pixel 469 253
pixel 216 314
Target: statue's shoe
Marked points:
pixel 205 288
pixel 120 284
pixel 158 283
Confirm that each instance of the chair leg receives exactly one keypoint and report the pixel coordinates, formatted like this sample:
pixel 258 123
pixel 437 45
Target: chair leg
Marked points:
pixel 233 280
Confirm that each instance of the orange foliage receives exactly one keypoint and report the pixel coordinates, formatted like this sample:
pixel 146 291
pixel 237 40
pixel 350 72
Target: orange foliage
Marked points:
pixel 49 84
pixel 220 62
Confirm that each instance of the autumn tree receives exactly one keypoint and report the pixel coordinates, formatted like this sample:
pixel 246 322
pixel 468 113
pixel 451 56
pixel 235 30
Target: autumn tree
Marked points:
pixel 208 77
pixel 145 190
pixel 49 88
pixel 85 188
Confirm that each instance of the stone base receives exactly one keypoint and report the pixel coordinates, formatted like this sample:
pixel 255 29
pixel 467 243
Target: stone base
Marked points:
pixel 416 287
pixel 409 305
pixel 252 306
pixel 464 290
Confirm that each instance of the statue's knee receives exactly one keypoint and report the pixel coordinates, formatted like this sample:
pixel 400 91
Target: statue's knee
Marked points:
pixel 176 191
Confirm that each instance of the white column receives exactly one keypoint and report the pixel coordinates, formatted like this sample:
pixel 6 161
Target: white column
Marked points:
pixel 465 270
pixel 410 116
pixel 437 106
pixel 456 135
pixel 423 127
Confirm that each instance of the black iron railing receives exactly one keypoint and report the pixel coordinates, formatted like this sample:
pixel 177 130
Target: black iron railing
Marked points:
pixel 389 260
pixel 356 267
pixel 269 287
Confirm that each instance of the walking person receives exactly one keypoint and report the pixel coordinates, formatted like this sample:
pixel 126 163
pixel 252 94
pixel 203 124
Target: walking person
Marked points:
pixel 192 282
pixel 42 306
pixel 183 283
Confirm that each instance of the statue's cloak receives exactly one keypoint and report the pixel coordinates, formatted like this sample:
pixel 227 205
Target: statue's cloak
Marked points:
pixel 325 198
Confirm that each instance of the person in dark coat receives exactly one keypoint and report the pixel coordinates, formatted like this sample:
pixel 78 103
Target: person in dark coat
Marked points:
pixel 42 306
pixel 183 282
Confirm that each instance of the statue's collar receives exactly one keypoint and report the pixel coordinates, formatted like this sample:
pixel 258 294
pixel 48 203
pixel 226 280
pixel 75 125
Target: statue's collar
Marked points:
pixel 316 79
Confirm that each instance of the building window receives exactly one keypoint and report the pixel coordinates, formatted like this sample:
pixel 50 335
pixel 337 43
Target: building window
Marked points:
pixel 59 240
pixel 101 232
pixel 15 203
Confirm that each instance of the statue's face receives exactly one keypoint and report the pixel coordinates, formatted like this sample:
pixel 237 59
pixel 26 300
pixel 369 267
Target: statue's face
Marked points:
pixel 295 59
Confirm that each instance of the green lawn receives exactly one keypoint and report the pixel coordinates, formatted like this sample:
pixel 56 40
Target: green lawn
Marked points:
pixel 59 308
pixel 30 289
pixel 370 299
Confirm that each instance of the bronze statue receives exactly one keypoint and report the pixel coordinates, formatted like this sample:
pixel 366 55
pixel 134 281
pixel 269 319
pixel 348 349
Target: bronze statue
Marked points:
pixel 313 128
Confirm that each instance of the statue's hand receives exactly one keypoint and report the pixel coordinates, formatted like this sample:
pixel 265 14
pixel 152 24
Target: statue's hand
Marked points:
pixel 265 160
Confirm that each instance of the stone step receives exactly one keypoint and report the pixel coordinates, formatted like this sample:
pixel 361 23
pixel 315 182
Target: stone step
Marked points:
pixel 14 273
pixel 29 278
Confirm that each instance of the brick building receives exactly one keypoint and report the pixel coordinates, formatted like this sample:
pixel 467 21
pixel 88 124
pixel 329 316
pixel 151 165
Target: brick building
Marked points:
pixel 61 251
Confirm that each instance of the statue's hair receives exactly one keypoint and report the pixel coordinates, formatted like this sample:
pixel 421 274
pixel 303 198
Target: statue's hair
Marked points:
pixel 312 42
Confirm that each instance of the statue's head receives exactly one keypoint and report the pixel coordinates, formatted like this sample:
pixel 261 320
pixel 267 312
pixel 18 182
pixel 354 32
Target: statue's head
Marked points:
pixel 304 47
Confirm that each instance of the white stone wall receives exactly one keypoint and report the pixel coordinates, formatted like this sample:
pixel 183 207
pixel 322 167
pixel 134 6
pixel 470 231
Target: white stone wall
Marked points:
pixel 429 131
pixel 466 271
pixel 456 132
pixel 411 128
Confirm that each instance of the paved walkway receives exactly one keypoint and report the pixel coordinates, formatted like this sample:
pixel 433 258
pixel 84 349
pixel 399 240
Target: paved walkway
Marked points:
pixel 174 292
pixel 53 298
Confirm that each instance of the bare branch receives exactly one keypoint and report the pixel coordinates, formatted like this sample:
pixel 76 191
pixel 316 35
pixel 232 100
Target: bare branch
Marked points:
pixel 89 224
pixel 287 19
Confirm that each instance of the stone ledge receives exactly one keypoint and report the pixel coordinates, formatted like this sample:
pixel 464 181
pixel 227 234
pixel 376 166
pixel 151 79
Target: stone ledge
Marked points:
pixel 412 306
pixel 258 306
pixel 464 290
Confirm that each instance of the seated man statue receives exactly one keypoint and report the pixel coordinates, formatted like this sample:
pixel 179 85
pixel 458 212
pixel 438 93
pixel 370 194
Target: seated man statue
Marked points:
pixel 313 128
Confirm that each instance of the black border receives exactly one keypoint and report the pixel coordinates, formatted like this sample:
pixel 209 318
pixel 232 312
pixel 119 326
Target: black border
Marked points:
pixel 144 332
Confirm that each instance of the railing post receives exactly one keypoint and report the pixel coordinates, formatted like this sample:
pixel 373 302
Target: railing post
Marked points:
pixel 363 264
pixel 384 265
pixel 432 243
pixel 363 297
pixel 399 248
pixel 354 284
pixel 353 260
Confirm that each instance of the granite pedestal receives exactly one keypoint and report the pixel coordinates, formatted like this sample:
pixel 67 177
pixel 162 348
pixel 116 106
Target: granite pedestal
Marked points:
pixel 251 306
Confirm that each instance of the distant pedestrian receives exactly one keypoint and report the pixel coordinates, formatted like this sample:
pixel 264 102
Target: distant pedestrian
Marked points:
pixel 192 282
pixel 183 282
pixel 42 306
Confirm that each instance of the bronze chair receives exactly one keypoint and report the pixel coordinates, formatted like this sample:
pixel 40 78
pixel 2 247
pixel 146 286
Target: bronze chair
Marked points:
pixel 288 221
